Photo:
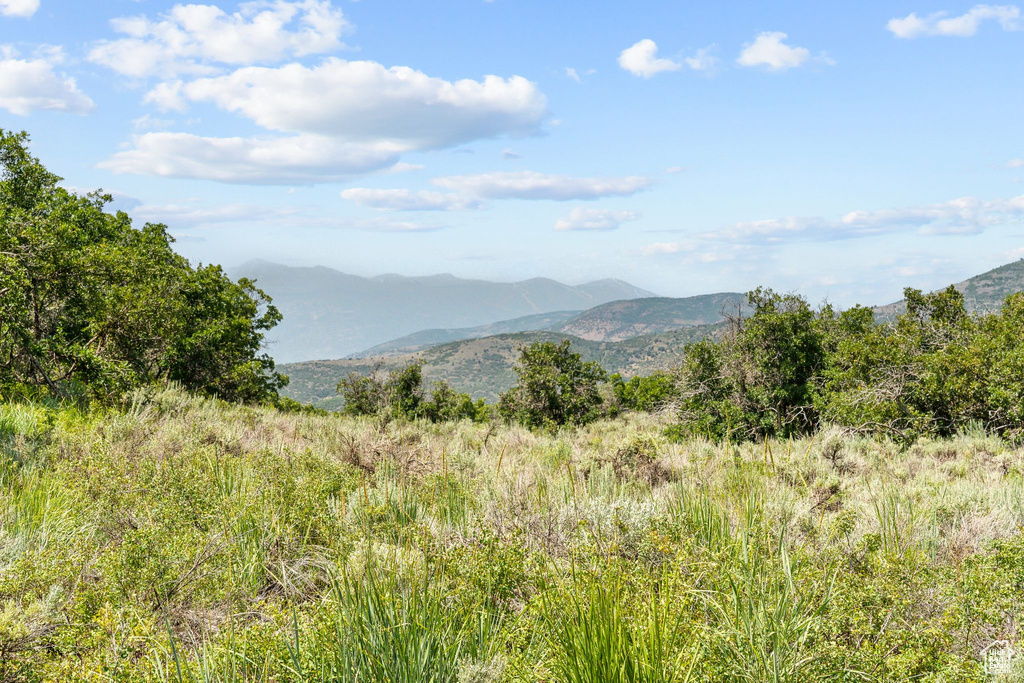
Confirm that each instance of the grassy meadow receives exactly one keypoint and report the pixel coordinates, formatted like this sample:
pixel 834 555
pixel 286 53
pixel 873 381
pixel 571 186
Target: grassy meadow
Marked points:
pixel 177 538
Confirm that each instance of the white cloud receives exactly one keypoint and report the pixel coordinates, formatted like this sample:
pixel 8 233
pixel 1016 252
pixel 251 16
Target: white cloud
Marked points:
pixel 189 39
pixel 510 154
pixel 402 167
pixel 594 219
pixel 19 8
pixel 768 50
pixel 300 159
pixel 368 101
pixel 571 73
pixel 166 96
pixel 148 122
pixel 191 215
pixel 1015 163
pixel 347 118
pixel 692 252
pixel 407 200
pixel 667 248
pixel 641 60
pixel 967 215
pixel 28 85
pixel 963 26
pixel 702 60
pixel 675 169
pixel 533 185
pixel 387 225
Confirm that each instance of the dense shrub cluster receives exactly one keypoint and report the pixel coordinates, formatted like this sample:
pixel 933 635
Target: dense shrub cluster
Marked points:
pixel 785 370
pixel 780 370
pixel 92 307
pixel 401 394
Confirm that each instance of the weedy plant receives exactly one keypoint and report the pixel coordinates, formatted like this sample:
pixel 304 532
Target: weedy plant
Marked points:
pixel 183 539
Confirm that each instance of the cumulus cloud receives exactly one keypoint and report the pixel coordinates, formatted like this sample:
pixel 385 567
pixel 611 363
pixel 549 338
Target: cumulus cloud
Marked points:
pixel 769 50
pixel 702 60
pixel 367 101
pixel 19 8
pixel 407 200
pixel 641 59
pixel 533 185
pixel 594 219
pixel 967 215
pixel 963 26
pixel 300 159
pixel 167 96
pixel 340 118
pixel 192 39
pixel 33 84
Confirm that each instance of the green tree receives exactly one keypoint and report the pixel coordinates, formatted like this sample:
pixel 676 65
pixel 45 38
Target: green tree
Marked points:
pixel 400 394
pixel 92 305
pixel 448 405
pixel 924 374
pixel 555 387
pixel 759 380
pixel 643 394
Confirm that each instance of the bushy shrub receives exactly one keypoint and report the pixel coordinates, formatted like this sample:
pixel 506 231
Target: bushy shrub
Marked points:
pixel 555 387
pixel 643 394
pixel 785 370
pixel 400 394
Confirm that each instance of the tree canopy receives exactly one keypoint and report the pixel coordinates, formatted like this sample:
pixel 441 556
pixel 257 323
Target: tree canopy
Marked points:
pixel 92 306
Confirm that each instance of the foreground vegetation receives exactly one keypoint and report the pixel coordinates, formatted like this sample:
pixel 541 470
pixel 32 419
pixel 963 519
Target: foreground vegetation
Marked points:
pixel 182 538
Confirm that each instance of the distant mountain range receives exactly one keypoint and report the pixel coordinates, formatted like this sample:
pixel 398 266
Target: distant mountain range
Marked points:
pixel 610 322
pixel 329 314
pixel 480 359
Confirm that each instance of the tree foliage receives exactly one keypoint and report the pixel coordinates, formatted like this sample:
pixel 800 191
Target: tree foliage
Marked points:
pixel 555 387
pixel 645 394
pixel 786 369
pixel 400 394
pixel 90 305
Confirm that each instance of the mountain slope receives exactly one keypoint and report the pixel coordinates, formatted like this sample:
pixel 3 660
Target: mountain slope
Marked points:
pixel 613 321
pixel 983 293
pixel 423 339
pixel 329 314
pixel 620 320
pixel 484 367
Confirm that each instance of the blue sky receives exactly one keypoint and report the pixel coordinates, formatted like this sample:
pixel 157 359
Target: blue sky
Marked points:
pixel 839 150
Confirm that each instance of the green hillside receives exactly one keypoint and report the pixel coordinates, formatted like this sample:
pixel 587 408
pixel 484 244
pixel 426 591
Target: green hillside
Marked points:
pixel 609 322
pixel 418 341
pixel 483 367
pixel 619 320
